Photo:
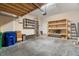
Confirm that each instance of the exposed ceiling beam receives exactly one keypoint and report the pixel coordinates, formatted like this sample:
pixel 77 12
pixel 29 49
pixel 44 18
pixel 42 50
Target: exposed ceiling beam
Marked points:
pixel 21 7
pixel 18 9
pixel 2 8
pixel 13 7
pixel 37 6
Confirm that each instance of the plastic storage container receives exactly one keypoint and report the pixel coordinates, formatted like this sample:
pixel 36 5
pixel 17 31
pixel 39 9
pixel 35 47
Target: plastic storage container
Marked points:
pixel 9 38
pixel 0 39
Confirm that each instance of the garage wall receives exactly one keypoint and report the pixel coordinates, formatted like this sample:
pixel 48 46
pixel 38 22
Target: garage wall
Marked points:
pixel 6 23
pixel 19 26
pixel 72 16
pixel 7 27
pixel 11 24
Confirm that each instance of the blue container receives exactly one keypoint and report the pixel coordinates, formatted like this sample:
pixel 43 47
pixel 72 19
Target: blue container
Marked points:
pixel 9 38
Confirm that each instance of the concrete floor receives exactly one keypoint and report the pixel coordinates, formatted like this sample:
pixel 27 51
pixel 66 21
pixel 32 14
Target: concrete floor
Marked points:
pixel 42 46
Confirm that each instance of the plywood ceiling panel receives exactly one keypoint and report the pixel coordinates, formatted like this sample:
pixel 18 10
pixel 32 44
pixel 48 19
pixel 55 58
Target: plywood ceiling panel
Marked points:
pixel 19 9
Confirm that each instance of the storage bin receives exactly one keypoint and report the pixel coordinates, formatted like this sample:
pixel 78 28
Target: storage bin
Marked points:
pixel 0 39
pixel 9 38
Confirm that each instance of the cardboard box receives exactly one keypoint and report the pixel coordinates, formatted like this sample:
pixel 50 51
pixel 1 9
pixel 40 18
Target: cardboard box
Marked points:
pixel 19 35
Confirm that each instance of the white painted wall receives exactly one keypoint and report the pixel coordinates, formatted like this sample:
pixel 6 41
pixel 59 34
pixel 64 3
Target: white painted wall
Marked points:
pixel 19 27
pixel 7 27
pixel 6 23
pixel 14 25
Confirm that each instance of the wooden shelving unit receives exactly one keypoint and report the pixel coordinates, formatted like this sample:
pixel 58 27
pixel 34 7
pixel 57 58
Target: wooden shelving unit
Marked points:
pixel 58 28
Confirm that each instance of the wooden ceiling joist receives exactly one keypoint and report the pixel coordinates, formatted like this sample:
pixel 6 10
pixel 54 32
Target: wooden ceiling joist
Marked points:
pixel 10 12
pixel 2 8
pixel 37 6
pixel 19 9
pixel 27 6
pixel 13 7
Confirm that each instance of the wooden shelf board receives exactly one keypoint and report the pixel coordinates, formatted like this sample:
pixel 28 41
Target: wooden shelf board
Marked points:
pixel 56 21
pixel 57 24
pixel 56 28
pixel 58 34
